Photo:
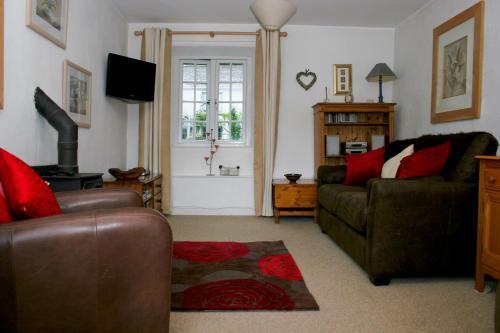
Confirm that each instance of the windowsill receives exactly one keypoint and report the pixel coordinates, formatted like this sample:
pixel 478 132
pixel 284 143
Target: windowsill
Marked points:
pixel 207 146
pixel 214 177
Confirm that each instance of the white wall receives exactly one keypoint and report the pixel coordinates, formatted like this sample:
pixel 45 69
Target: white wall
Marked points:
pixel 95 28
pixel 413 64
pixel 314 47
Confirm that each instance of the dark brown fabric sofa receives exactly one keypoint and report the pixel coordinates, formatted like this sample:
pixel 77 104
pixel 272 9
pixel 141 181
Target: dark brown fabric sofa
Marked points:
pixel 414 227
pixel 104 265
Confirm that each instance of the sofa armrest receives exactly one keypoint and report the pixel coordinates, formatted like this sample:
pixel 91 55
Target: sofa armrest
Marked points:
pixel 328 174
pixel 88 200
pixel 416 226
pixel 101 271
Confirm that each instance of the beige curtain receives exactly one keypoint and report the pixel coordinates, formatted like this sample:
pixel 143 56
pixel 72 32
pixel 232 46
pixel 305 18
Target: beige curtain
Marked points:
pixel 267 96
pixel 154 117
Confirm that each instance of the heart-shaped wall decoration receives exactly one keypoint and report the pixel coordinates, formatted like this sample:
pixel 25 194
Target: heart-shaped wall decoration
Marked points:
pixel 306 79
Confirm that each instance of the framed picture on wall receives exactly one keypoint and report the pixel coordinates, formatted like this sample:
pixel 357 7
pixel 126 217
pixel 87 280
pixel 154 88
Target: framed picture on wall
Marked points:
pixel 342 79
pixel 457 67
pixel 49 18
pixel 77 93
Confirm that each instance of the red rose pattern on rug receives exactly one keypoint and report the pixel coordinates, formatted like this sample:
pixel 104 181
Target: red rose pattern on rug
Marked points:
pixel 229 276
pixel 281 266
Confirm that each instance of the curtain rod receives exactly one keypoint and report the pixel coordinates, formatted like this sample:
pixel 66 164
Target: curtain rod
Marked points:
pixel 212 33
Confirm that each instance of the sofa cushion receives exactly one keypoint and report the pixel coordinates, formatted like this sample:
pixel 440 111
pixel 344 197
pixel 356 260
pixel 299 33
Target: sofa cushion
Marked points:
pixel 348 203
pixel 425 162
pixel 26 192
pixel 467 168
pixel 391 167
pixel 363 167
pixel 460 142
pixel 5 214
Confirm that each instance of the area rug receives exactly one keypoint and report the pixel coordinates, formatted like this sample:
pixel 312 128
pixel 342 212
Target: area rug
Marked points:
pixel 228 276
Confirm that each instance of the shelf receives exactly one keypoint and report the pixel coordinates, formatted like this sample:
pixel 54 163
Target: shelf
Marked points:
pixel 335 156
pixel 356 124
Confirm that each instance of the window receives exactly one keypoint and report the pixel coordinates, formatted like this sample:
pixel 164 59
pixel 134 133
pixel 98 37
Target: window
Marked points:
pixel 213 96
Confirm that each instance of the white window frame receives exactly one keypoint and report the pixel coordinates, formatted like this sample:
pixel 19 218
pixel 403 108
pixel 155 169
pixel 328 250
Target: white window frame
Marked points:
pixel 212 114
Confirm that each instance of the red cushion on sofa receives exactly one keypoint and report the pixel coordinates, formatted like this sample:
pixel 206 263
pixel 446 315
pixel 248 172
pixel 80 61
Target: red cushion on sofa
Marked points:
pixel 5 214
pixel 27 194
pixel 362 167
pixel 425 162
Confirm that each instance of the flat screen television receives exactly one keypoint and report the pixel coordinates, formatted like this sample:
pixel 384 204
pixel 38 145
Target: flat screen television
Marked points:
pixel 130 80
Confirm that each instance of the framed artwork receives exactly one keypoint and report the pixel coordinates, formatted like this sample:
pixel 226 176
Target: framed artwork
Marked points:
pixel 49 18
pixel 457 67
pixel 1 53
pixel 77 93
pixel 342 79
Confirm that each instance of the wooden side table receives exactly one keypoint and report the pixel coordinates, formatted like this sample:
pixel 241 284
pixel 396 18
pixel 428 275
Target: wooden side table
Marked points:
pixel 488 230
pixel 148 187
pixel 298 199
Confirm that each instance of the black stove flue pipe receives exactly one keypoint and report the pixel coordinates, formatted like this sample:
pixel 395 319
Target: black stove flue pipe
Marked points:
pixel 67 144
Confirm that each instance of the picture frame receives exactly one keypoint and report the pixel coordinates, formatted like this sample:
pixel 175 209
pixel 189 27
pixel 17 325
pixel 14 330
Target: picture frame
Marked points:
pixel 1 54
pixel 457 67
pixel 77 93
pixel 342 79
pixel 49 18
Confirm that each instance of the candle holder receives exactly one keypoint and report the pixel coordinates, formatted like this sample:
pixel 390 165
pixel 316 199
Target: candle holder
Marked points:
pixel 213 149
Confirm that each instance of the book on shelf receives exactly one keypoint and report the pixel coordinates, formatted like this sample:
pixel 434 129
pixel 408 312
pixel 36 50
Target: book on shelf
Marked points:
pixel 338 118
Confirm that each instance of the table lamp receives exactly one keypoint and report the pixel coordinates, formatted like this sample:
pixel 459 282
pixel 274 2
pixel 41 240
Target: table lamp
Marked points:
pixel 381 73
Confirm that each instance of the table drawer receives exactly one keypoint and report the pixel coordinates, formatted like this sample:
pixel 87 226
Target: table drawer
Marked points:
pixel 492 178
pixel 295 196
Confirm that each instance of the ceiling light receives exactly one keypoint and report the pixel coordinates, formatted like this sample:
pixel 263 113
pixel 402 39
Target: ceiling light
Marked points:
pixel 273 14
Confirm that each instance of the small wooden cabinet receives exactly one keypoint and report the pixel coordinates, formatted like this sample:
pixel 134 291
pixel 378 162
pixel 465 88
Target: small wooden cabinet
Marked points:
pixel 488 235
pixel 298 199
pixel 148 187
pixel 350 122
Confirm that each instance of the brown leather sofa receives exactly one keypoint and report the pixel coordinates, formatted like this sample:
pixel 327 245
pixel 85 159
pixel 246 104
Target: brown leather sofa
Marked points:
pixel 415 227
pixel 104 265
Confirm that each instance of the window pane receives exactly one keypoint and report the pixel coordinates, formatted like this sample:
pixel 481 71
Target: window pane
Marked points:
pixel 187 130
pixel 188 92
pixel 224 92
pixel 224 131
pixel 236 131
pixel 224 112
pixel 237 92
pixel 237 111
pixel 201 92
pixel 187 111
pixel 201 112
pixel 201 131
pixel 201 73
pixel 237 73
pixel 225 72
pixel 188 72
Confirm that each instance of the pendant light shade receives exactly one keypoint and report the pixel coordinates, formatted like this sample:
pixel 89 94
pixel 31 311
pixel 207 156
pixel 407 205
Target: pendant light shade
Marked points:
pixel 273 14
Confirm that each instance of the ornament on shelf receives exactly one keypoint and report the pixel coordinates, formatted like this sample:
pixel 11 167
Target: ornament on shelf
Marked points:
pixel 213 149
pixel 349 97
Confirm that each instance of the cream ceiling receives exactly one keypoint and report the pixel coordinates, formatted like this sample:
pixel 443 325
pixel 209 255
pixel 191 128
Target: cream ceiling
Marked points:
pixel 371 13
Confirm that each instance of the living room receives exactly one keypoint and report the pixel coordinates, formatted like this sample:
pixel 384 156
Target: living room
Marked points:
pixel 269 133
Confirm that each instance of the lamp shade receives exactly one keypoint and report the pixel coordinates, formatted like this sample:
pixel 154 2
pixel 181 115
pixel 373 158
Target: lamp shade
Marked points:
pixel 381 71
pixel 273 14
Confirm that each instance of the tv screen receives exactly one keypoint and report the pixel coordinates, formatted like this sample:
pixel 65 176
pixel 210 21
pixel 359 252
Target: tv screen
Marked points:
pixel 130 80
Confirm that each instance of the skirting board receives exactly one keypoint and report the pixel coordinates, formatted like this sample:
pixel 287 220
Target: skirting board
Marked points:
pixel 213 211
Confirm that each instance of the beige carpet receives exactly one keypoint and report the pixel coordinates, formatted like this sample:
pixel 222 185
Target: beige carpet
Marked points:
pixel 348 301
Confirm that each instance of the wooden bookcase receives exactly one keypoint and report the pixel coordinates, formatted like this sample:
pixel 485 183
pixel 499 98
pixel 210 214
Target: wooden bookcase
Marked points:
pixel 366 119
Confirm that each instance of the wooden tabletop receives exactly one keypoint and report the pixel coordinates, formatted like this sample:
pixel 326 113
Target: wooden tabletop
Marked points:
pixel 494 158
pixel 300 181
